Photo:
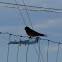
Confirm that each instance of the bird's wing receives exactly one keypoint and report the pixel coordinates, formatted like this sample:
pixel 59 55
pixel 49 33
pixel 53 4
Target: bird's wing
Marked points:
pixel 36 33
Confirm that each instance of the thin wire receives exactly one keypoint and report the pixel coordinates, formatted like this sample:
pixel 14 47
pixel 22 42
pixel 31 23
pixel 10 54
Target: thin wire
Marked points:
pixel 27 53
pixel 38 54
pixel 28 15
pixel 47 50
pixel 8 49
pixel 21 14
pixel 57 53
pixel 39 51
pixel 17 54
pixel 8 53
pixel 50 40
pixel 31 10
pixel 30 6
pixel 13 34
pixel 36 50
pixel 41 55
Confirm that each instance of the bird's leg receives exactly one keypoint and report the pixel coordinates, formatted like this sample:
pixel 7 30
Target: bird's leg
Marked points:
pixel 30 37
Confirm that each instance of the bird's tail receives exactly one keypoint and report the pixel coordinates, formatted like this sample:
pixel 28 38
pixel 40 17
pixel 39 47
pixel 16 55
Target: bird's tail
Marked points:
pixel 43 35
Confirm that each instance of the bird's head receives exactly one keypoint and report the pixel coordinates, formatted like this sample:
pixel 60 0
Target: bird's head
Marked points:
pixel 26 28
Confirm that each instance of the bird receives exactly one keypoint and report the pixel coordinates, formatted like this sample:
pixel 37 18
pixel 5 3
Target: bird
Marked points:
pixel 30 32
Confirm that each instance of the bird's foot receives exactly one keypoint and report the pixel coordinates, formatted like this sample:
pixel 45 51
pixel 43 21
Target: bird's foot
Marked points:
pixel 30 37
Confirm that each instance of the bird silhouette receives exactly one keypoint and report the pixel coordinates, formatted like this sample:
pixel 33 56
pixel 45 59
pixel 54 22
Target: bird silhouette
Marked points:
pixel 33 33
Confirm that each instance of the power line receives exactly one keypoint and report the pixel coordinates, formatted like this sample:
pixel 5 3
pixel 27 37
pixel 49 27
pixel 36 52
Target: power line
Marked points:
pixel 57 53
pixel 31 10
pixel 36 51
pixel 8 53
pixel 41 53
pixel 17 54
pixel 8 49
pixel 47 50
pixel 27 52
pixel 31 6
pixel 28 15
pixel 21 14
pixel 50 41
pixel 12 34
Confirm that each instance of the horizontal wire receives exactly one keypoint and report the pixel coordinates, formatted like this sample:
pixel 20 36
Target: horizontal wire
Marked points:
pixel 51 41
pixel 31 9
pixel 30 6
pixel 13 34
pixel 28 37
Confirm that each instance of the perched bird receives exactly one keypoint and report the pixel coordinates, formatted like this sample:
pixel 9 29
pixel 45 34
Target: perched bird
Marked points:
pixel 33 33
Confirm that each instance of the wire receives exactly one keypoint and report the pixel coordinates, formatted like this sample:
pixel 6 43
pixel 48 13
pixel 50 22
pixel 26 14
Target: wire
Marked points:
pixel 31 6
pixel 42 56
pixel 39 52
pixel 8 49
pixel 50 40
pixel 36 50
pixel 17 54
pixel 12 34
pixel 21 13
pixel 31 10
pixel 27 52
pixel 8 53
pixel 47 50
pixel 28 15
pixel 57 53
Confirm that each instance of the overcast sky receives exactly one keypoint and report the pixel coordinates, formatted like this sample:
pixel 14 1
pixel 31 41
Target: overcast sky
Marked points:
pixel 43 22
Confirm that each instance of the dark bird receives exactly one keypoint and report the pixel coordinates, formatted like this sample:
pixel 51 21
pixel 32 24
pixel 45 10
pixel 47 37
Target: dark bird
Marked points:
pixel 33 33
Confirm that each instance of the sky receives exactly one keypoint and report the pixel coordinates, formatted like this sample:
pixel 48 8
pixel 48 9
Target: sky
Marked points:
pixel 43 22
